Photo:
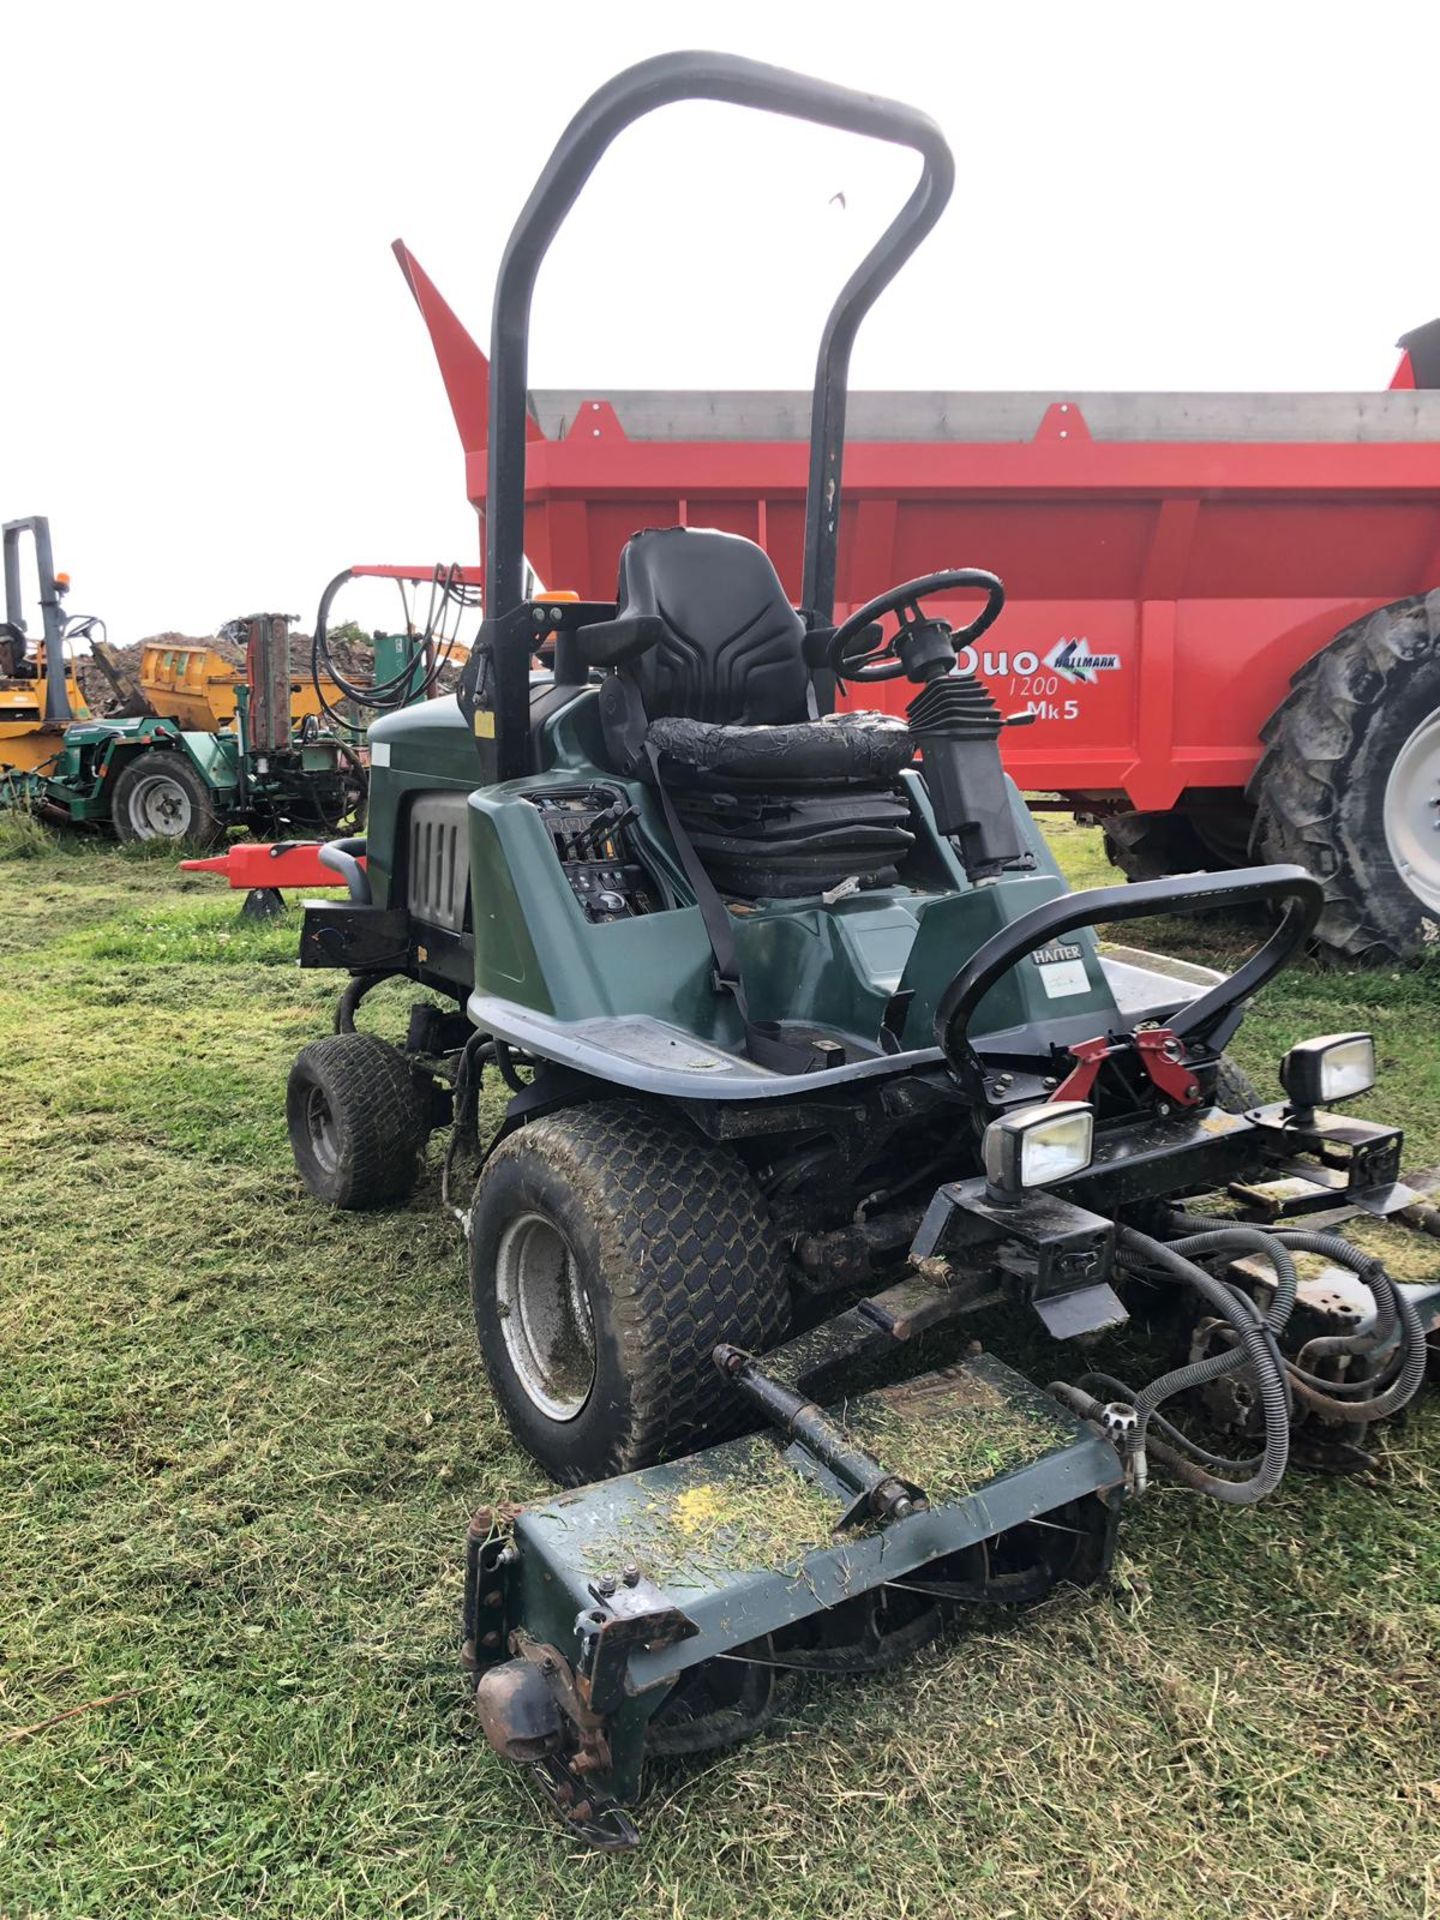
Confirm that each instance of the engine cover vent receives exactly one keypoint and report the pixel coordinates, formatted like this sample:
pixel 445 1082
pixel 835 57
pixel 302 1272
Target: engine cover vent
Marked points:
pixel 438 871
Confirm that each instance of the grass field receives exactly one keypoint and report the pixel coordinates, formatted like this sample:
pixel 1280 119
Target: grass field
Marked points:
pixel 240 1437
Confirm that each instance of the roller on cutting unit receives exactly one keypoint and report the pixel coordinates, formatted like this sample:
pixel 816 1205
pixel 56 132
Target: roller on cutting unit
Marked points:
pixel 806 1051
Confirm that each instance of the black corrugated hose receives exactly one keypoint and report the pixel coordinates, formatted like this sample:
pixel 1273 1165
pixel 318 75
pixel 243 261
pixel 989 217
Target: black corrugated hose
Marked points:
pixel 1399 1380
pixel 1255 1345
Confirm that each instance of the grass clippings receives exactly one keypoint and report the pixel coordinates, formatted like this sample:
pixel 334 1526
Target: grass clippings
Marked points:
pixel 240 1437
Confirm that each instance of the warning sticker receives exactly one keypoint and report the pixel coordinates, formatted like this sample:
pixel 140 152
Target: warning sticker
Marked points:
pixel 1060 978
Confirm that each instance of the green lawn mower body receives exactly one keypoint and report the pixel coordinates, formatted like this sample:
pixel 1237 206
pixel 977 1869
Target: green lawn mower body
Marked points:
pixel 809 1056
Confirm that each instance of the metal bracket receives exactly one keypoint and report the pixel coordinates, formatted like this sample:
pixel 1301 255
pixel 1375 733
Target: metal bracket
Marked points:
pixel 628 1613
pixel 1162 1055
pixel 1049 1246
pixel 1320 1160
pixel 1089 1056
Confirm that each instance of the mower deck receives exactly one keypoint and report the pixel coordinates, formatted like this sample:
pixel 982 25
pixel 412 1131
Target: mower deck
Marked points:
pixel 622 1587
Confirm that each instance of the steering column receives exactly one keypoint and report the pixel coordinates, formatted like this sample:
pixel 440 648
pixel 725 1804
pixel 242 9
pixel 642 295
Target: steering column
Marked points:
pixel 953 719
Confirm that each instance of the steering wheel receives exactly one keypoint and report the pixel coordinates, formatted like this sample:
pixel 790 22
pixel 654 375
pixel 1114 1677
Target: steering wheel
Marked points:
pixel 847 662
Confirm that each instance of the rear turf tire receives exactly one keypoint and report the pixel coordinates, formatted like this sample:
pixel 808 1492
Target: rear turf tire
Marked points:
pixel 159 796
pixel 1351 766
pixel 611 1249
pixel 358 1119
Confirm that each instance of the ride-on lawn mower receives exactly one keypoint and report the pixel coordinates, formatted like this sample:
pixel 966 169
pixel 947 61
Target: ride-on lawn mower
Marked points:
pixel 809 1053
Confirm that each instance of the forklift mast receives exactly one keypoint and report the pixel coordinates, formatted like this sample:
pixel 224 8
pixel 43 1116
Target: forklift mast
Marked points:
pixel 57 698
pixel 266 638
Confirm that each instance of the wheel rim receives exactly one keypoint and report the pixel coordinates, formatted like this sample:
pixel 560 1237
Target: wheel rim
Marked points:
pixel 545 1316
pixel 323 1133
pixel 160 808
pixel 1412 812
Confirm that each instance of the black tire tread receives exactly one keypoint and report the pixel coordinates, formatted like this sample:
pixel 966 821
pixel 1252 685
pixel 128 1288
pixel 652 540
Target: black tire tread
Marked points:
pixel 384 1113
pixel 1235 1091
pixel 208 829
pixel 1152 846
pixel 1310 742
pixel 691 1256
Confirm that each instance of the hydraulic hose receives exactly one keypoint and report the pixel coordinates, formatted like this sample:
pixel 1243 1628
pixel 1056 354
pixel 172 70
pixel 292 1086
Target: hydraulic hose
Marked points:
pixel 1255 1344
pixel 1173 1433
pixel 356 988
pixel 1358 1401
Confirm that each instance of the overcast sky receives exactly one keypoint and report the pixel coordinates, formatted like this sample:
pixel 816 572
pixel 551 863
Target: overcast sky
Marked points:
pixel 218 388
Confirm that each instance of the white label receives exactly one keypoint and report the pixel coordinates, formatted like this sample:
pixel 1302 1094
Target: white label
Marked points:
pixel 1065 977
pixel 380 754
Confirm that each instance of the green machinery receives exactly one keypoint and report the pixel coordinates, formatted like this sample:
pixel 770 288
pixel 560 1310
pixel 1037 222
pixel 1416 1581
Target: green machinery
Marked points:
pixel 807 1052
pixel 150 776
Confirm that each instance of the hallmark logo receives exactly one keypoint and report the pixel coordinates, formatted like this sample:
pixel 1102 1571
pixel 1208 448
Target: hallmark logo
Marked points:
pixel 1073 661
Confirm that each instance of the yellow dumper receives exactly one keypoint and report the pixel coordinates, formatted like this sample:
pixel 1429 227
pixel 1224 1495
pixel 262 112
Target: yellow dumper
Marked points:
pixel 196 686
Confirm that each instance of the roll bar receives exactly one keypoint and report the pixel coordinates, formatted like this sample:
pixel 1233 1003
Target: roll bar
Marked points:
pixel 1288 890
pixel 660 82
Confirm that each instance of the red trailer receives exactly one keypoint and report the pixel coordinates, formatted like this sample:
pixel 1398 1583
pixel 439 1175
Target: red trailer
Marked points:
pixel 1222 608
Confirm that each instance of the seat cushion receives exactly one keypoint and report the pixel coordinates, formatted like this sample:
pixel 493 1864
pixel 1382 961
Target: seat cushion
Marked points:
pixel 792 845
pixel 843 749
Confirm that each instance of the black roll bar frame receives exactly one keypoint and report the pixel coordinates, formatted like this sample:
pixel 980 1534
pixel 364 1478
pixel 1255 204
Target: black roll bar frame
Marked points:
pixel 660 82
pixel 1210 1018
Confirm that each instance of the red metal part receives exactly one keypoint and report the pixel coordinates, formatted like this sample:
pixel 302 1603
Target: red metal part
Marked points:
pixel 1089 1056
pixel 288 863
pixel 463 367
pixel 1162 1054
pixel 468 576
pixel 1162 592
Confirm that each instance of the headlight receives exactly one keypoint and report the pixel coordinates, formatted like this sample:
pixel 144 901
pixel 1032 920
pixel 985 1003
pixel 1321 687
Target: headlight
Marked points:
pixel 1037 1146
pixel 1335 1067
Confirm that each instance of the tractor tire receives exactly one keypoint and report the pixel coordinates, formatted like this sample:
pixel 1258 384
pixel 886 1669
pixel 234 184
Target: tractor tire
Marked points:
pixel 358 1120
pixel 1152 846
pixel 1349 785
pixel 159 796
pixel 1235 1091
pixel 611 1249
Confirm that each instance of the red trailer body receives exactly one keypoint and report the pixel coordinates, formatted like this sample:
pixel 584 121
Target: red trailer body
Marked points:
pixel 1160 594
pixel 1171 560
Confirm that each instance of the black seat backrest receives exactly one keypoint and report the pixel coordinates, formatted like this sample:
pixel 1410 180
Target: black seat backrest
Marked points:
pixel 731 651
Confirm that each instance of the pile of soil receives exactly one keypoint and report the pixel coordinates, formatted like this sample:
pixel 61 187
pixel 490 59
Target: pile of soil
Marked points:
pixel 350 649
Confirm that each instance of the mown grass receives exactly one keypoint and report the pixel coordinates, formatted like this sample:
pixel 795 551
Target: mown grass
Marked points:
pixel 240 1437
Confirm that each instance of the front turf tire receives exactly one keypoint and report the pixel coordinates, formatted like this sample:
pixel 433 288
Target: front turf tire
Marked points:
pixel 358 1120
pixel 611 1249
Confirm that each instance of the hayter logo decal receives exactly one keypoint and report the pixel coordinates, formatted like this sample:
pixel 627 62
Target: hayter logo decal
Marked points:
pixel 1073 661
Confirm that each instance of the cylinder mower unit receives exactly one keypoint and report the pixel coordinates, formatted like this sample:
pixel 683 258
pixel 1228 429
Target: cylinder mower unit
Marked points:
pixel 806 1052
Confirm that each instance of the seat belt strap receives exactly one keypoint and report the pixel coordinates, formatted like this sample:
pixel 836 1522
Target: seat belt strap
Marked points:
pixel 765 1049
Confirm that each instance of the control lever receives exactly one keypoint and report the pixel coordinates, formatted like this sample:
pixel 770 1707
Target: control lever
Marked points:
pixel 601 828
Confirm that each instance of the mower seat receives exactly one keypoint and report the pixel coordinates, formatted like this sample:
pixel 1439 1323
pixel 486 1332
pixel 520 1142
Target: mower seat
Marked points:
pixel 718 701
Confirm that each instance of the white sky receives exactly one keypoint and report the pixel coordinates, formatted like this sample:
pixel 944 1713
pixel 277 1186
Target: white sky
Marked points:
pixel 215 383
